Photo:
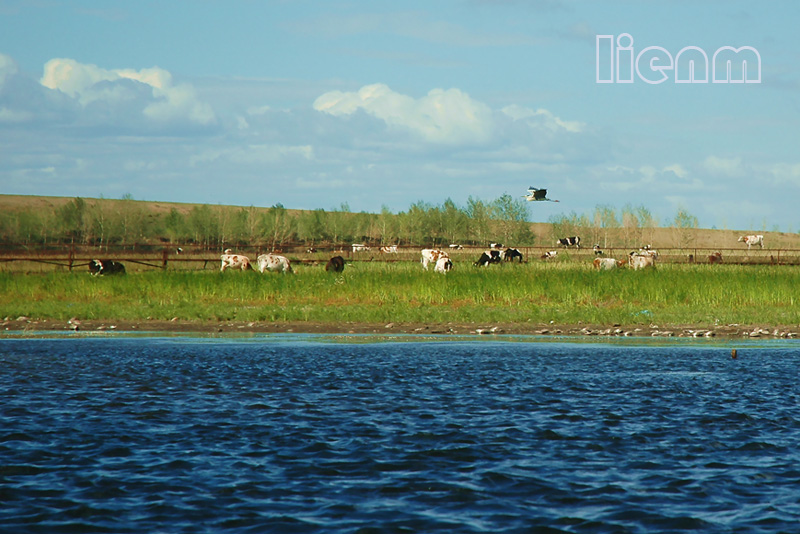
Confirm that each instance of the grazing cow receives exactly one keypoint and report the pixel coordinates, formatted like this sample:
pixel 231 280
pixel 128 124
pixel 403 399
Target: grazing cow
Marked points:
pixel 639 260
pixel 647 250
pixel 550 255
pixel 511 254
pixel 597 250
pixel 715 258
pixel 607 264
pixel 489 257
pixel 443 264
pixel 311 250
pixel 357 247
pixel 455 247
pixel 569 241
pixel 234 261
pixel 432 255
pixel 101 267
pixel 495 245
pixel 751 240
pixel 391 249
pixel 273 262
pixel 335 264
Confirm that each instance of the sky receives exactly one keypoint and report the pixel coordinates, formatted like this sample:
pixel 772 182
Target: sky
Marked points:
pixel 379 105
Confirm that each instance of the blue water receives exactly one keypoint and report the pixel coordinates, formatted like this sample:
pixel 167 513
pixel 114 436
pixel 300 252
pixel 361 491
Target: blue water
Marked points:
pixel 307 434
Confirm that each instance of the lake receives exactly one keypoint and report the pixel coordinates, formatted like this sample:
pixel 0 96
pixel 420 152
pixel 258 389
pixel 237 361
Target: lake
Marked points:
pixel 362 434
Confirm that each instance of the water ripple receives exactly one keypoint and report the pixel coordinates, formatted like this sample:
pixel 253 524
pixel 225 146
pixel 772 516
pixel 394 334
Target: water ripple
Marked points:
pixel 155 435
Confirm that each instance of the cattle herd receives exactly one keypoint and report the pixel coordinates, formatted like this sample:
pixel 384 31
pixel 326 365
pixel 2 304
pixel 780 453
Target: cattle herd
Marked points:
pixel 440 259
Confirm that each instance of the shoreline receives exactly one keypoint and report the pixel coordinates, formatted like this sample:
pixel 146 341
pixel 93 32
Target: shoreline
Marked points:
pixel 26 324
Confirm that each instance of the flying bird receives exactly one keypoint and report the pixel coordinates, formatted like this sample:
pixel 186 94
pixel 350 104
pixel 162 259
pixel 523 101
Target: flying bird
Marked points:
pixel 536 194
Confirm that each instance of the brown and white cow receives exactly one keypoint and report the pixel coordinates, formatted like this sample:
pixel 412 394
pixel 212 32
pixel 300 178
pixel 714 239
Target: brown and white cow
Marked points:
pixel 751 240
pixel 234 261
pixel 549 255
pixel 432 255
pixel 715 258
pixel 391 249
pixel 639 260
pixel 607 264
pixel 273 263
pixel 359 247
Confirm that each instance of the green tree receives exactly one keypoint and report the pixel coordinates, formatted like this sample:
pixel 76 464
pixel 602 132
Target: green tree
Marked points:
pixel 175 226
pixel 480 217
pixel 455 222
pixel 74 220
pixel 311 226
pixel 203 226
pixel 605 221
pixel 683 225
pixel 512 217
pixel 647 224
pixel 279 226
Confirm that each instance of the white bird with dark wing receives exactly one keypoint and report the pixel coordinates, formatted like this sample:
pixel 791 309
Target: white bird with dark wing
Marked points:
pixel 537 195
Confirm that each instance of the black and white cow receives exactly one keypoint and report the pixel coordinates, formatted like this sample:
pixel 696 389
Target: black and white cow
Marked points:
pixel 570 241
pixel 489 257
pixel 511 254
pixel 101 267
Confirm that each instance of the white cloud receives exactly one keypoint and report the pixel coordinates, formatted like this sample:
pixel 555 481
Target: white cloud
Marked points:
pixel 677 170
pixel 784 173
pixel 8 68
pixel 10 115
pixel 90 83
pixel 442 116
pixel 260 154
pixel 731 167
pixel 544 117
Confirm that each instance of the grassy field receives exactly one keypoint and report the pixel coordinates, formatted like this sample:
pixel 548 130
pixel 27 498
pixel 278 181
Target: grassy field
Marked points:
pixel 534 293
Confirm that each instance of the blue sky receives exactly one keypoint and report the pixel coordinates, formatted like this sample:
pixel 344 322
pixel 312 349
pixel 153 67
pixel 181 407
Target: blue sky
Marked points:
pixel 314 104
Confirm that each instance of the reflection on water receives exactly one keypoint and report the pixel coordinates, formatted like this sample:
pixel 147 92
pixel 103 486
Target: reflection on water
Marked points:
pixel 330 433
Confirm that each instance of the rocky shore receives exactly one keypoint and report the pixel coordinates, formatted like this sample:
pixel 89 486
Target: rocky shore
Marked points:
pixel 22 324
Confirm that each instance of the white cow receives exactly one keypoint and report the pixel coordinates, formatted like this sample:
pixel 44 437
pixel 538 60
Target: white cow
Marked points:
pixel 273 262
pixel 550 254
pixel 358 247
pixel 751 240
pixel 234 261
pixel 432 255
pixel 443 264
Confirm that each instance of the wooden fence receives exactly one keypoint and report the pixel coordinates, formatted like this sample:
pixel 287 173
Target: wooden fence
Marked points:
pixel 198 258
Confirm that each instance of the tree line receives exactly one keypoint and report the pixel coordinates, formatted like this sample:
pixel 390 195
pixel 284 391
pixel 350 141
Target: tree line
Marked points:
pixel 631 226
pixel 126 222
pixel 102 222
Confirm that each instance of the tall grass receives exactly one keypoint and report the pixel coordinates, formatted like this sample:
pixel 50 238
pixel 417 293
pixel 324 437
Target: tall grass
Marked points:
pixel 403 292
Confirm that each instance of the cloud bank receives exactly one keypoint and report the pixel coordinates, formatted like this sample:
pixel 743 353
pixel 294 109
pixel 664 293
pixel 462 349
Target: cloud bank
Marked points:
pixel 85 130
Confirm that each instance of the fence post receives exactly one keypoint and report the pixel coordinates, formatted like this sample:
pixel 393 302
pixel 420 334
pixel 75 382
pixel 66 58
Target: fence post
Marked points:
pixel 71 256
pixel 164 254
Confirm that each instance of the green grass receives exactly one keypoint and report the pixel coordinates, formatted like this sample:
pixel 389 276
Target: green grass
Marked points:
pixel 366 292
